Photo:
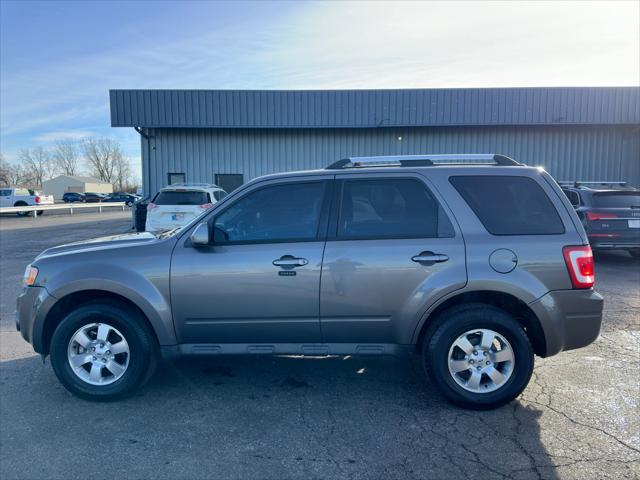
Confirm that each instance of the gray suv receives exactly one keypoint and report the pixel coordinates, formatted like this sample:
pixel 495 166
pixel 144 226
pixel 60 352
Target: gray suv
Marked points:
pixel 476 262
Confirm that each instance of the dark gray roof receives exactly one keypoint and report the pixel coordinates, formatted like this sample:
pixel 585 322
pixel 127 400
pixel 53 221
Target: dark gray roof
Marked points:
pixel 374 108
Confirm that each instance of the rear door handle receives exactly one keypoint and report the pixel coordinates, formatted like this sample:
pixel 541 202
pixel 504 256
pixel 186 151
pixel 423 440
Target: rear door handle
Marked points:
pixel 430 257
pixel 288 261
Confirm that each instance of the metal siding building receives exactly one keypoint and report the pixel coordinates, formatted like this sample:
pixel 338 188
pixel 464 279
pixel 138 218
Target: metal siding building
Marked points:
pixel 575 133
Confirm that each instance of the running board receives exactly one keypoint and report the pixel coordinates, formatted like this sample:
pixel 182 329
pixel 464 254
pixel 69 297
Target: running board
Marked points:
pixel 303 349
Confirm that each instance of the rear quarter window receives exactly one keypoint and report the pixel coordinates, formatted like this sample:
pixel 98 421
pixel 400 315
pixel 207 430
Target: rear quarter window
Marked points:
pixel 181 198
pixel 509 205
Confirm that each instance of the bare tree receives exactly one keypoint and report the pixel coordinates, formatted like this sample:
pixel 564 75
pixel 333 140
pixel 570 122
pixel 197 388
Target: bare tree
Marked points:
pixel 65 156
pixel 103 157
pixel 4 172
pixel 13 175
pixel 37 164
pixel 123 173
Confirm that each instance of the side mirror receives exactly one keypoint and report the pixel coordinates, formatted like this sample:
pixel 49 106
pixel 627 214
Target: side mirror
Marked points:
pixel 200 236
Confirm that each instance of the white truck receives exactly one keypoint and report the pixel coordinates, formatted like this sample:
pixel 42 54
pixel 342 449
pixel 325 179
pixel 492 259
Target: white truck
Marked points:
pixel 23 197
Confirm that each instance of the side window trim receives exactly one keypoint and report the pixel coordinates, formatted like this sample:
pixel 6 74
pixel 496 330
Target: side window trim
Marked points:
pixel 321 231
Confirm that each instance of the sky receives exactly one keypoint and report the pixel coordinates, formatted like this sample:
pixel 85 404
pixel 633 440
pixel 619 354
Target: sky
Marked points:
pixel 58 59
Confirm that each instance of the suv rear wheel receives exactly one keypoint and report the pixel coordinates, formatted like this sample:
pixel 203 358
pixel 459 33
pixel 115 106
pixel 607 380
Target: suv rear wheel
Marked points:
pixel 478 356
pixel 102 351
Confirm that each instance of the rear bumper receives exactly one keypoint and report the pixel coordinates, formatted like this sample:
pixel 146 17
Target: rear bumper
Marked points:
pixel 612 245
pixel 152 224
pixel 614 240
pixel 569 318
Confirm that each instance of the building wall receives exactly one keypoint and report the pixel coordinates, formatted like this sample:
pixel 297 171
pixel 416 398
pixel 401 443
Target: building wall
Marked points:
pixel 568 152
pixel 59 185
pixel 98 187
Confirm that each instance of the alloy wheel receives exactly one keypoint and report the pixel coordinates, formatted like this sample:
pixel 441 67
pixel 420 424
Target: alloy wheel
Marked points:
pixel 481 361
pixel 98 354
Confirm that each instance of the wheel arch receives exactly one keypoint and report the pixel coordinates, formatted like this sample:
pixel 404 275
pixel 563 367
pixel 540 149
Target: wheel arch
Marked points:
pixel 505 301
pixel 71 301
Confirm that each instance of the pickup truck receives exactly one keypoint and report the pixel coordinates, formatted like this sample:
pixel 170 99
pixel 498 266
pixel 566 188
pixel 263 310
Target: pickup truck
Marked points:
pixel 22 197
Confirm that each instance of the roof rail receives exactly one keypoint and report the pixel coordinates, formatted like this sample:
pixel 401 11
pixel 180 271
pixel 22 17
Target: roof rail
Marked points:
pixel 192 184
pixel 424 160
pixel 602 183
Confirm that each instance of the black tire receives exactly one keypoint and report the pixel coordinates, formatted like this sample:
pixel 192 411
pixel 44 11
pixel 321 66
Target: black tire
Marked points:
pixel 142 346
pixel 21 204
pixel 453 323
pixel 40 212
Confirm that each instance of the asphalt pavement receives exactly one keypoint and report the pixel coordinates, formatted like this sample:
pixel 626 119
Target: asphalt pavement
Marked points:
pixel 336 417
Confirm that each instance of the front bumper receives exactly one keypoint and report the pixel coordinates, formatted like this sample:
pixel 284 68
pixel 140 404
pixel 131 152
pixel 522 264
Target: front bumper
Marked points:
pixel 569 318
pixel 32 305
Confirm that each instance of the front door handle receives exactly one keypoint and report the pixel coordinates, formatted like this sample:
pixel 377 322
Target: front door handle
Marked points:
pixel 289 261
pixel 430 257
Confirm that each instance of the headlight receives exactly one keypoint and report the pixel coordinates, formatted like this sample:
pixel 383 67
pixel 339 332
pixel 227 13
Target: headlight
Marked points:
pixel 30 274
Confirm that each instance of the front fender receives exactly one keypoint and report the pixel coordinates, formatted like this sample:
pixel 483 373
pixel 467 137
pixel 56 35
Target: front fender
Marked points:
pixel 146 294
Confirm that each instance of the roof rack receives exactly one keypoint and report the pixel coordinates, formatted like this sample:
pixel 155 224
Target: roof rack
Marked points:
pixel 424 160
pixel 600 183
pixel 189 184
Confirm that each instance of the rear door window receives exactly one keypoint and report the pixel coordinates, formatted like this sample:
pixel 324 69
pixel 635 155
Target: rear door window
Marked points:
pixel 616 199
pixel 509 205
pixel 390 208
pixel 182 198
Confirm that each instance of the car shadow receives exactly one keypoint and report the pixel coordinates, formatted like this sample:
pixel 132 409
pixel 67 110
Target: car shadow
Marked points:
pixel 264 417
pixel 615 258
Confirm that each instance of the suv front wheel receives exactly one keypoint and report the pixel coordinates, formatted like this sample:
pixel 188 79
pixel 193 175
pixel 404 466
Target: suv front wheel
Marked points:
pixel 478 356
pixel 102 351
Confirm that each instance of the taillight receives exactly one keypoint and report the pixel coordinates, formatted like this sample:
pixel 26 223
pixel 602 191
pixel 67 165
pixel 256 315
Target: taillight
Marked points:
pixel 151 206
pixel 37 199
pixel 579 260
pixel 599 216
pixel 205 206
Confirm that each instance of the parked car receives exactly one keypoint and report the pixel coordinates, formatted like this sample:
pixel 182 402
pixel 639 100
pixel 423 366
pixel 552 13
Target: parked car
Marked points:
pixel 91 197
pixel 23 197
pixel 178 204
pixel 609 212
pixel 127 198
pixel 477 268
pixel 72 197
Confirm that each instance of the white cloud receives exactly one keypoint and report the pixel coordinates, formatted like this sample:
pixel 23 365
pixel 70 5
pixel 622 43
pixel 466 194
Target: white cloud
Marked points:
pixel 63 135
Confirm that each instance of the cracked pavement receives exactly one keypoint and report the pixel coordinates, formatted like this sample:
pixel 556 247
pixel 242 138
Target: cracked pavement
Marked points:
pixel 337 417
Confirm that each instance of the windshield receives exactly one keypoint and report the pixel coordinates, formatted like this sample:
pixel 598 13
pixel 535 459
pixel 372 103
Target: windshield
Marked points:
pixel 616 199
pixel 181 198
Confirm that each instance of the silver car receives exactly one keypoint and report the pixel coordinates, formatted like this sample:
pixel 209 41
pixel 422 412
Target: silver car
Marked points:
pixel 475 262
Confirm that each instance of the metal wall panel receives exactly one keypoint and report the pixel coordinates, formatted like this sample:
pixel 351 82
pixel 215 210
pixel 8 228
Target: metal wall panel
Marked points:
pixel 567 152
pixel 374 108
